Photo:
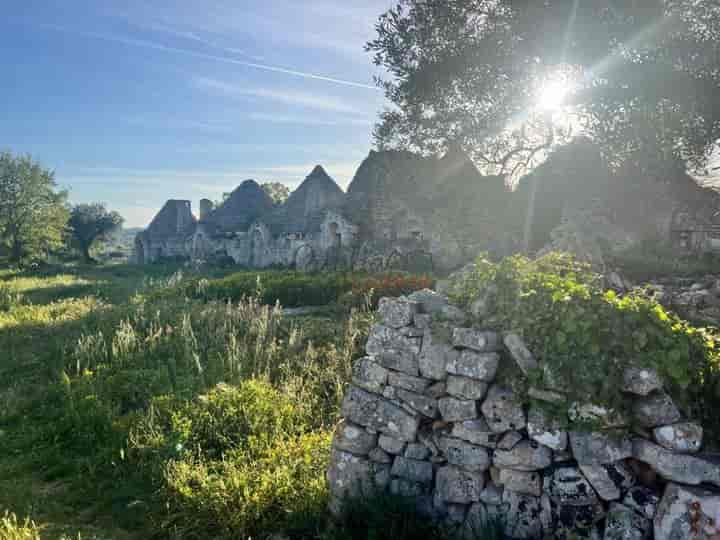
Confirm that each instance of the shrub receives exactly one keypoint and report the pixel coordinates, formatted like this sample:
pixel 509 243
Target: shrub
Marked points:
pixel 252 414
pixel 269 478
pixel 585 336
pixel 369 290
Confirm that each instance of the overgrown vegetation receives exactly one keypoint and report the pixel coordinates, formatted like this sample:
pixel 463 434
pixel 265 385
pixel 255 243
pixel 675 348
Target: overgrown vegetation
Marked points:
pixel 291 288
pixel 134 406
pixel 585 336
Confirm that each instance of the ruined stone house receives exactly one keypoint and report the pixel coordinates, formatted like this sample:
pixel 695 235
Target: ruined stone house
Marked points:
pixel 413 212
pixel 389 217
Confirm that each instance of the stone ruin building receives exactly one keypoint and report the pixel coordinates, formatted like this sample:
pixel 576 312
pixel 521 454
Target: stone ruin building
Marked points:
pixel 429 417
pixel 412 212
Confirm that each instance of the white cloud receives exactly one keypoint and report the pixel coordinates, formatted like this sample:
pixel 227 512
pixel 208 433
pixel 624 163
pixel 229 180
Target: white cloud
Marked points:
pixel 147 44
pixel 288 97
pixel 308 120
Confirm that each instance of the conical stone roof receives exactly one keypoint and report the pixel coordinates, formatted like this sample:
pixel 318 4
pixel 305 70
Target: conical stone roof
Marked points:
pixel 246 204
pixel 303 210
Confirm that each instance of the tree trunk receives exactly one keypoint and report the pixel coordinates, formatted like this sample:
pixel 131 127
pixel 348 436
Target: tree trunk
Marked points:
pixel 17 250
pixel 86 254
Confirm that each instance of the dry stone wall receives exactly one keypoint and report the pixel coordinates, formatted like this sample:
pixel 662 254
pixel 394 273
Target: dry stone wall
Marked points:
pixel 426 418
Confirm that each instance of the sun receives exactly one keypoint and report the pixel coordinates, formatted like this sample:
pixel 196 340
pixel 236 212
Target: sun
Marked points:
pixel 552 95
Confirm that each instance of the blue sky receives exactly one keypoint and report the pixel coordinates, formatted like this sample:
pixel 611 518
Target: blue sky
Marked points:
pixel 133 102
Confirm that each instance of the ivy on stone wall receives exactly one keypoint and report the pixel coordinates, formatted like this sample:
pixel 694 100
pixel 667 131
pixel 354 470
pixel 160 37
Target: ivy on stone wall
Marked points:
pixel 585 336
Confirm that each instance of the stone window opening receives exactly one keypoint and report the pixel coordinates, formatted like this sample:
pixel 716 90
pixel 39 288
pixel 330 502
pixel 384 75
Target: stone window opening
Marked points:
pixel 335 236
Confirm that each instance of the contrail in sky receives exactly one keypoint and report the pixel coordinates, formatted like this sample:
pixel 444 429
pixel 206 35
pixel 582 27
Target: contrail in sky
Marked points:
pixel 197 54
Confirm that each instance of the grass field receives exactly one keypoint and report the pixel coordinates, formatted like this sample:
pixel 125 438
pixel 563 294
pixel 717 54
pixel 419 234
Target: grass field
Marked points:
pixel 155 402
pixel 99 378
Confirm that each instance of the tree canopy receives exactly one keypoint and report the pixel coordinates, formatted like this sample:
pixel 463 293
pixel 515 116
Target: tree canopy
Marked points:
pixel 91 223
pixel 33 212
pixel 641 77
pixel 277 191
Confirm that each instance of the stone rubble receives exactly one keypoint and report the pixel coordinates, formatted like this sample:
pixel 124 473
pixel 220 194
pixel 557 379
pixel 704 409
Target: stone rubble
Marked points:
pixel 428 419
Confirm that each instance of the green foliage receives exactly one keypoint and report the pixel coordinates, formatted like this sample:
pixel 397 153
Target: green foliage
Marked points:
pixel 12 529
pixel 90 223
pixel 277 191
pixel 33 214
pixel 585 336
pixel 293 289
pixel 251 415
pixel 461 71
pixel 250 492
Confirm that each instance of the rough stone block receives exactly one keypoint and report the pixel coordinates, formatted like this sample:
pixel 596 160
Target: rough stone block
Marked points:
pixel 437 390
pixel 457 410
pixel 524 456
pixel 383 339
pixel 685 438
pixel 369 375
pixel 643 500
pixel 399 360
pixel 464 455
pixel 455 485
pixel 655 410
pixel 430 302
pixel 529 483
pixel 466 388
pixel 433 359
pixel 425 405
pixel 370 410
pixel 391 445
pixel 412 469
pixel 687 513
pixel 503 410
pixel 354 439
pixel 422 321
pixel 622 523
pixel 641 381
pixel 480 366
pixel 476 432
pixel 417 451
pixel 397 312
pixel 546 431
pixel 682 468
pixel 477 340
pixel 407 382
pixel 520 353
pixel 402 487
pixel 492 494
pixel 522 519
pixel 569 487
pixel 351 476
pixel 509 440
pixel 378 455
pixel 610 481
pixel 594 448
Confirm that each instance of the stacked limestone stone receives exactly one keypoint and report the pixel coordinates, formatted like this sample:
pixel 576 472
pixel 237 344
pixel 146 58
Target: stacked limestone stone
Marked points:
pixel 425 419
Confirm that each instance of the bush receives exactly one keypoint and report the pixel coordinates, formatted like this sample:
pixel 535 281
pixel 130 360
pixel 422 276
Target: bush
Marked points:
pixel 250 464
pixel 369 290
pixel 238 417
pixel 585 336
pixel 294 289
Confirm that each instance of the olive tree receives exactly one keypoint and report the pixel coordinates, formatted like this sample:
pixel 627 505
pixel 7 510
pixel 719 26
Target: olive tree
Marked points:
pixel 91 223
pixel 641 78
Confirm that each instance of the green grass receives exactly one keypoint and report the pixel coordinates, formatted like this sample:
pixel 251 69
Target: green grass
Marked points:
pixel 112 423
